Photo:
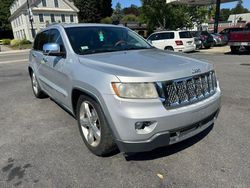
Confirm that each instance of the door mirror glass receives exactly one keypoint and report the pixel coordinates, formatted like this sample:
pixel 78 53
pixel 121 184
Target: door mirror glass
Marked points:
pixel 52 49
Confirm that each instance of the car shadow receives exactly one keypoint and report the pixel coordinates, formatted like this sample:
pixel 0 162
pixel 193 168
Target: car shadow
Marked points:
pixel 240 53
pixel 169 150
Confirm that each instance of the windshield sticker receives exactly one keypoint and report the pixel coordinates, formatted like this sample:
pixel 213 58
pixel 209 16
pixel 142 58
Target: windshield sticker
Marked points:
pixel 101 36
pixel 84 47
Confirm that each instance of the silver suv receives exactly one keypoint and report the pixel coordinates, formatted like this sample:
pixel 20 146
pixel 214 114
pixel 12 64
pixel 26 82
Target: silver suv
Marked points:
pixel 123 92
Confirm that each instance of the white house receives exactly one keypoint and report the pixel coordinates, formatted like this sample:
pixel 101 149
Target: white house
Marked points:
pixel 235 18
pixel 43 12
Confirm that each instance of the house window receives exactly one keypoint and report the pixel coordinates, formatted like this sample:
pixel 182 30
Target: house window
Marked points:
pixel 63 17
pixel 44 3
pixel 52 17
pixel 56 3
pixel 41 18
pixel 71 18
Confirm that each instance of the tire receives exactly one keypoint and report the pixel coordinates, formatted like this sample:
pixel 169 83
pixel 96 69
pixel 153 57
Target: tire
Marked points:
pixel 36 87
pixel 169 48
pixel 248 48
pixel 96 135
pixel 235 49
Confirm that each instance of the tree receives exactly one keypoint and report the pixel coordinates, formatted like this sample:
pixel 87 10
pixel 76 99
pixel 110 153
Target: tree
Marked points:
pixel 133 9
pixel 106 8
pixel 239 9
pixel 5 14
pixel 93 10
pixel 130 18
pixel 107 20
pixel 224 14
pixel 159 14
pixel 117 13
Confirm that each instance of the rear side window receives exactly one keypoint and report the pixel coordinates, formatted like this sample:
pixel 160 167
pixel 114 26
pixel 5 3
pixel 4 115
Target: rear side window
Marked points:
pixel 155 37
pixel 185 34
pixel 169 35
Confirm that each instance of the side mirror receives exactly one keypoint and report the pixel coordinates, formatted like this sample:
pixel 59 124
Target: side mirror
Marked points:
pixel 52 49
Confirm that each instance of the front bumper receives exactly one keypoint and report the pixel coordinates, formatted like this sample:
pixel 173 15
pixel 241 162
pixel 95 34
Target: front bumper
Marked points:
pixel 172 126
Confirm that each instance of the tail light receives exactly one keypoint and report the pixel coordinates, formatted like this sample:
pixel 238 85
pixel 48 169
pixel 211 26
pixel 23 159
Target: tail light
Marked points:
pixel 178 42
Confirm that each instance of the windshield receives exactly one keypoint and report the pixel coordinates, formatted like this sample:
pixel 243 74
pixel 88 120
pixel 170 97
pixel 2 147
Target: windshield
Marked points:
pixel 97 39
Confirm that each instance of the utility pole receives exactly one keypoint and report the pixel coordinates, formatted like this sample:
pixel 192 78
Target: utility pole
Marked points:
pixel 31 19
pixel 217 16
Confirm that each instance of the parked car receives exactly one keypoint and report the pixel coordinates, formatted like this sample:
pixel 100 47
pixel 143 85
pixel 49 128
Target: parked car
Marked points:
pixel 205 37
pixel 178 41
pixel 240 39
pixel 219 40
pixel 226 32
pixel 198 43
pixel 123 92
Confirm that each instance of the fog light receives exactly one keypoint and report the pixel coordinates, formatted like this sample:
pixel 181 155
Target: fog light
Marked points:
pixel 145 127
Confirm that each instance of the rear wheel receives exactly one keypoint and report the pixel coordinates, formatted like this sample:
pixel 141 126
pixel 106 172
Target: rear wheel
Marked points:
pixel 169 48
pixel 235 49
pixel 94 127
pixel 36 87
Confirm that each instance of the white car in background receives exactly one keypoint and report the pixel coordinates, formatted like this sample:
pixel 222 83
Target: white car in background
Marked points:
pixel 178 41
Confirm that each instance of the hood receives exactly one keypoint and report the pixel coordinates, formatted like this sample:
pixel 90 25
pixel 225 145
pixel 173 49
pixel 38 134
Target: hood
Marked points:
pixel 145 65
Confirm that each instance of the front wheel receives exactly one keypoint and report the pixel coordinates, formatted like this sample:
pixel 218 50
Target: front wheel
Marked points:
pixel 235 49
pixel 36 87
pixel 94 127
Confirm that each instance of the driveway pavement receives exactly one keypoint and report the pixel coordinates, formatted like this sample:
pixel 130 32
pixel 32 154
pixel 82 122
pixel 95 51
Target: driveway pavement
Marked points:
pixel 40 145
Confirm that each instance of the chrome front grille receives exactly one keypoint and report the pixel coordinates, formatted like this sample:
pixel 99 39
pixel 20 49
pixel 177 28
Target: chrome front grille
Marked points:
pixel 189 90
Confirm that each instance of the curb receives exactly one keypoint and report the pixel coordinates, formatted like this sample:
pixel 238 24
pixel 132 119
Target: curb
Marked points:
pixel 15 51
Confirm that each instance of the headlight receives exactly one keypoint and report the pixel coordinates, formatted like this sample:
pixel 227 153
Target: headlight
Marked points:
pixel 135 90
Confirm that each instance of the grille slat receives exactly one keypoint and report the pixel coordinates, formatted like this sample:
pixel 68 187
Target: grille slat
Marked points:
pixel 189 90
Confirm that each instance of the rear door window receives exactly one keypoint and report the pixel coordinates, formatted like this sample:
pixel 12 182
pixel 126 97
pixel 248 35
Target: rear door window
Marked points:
pixel 168 35
pixel 185 34
pixel 156 36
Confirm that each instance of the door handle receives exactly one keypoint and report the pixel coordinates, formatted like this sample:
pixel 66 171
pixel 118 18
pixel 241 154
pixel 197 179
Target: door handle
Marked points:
pixel 34 55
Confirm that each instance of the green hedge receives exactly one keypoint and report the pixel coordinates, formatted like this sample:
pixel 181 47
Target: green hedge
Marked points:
pixel 16 42
pixel 6 41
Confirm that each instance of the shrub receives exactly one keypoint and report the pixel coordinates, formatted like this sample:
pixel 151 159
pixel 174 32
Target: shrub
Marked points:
pixel 6 41
pixel 25 41
pixel 107 20
pixel 15 42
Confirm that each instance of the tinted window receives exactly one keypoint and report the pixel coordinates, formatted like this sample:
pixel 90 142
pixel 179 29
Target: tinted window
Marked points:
pixel 156 36
pixel 55 37
pixel 43 39
pixel 36 42
pixel 185 34
pixel 169 35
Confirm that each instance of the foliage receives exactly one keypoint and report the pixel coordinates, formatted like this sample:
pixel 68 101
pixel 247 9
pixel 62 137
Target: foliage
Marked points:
pixel 107 20
pixel 224 14
pixel 6 41
pixel 93 10
pixel 25 41
pixel 198 14
pixel 5 14
pixel 159 14
pixel 130 18
pixel 15 42
pixel 117 13
pixel 133 9
pixel 239 9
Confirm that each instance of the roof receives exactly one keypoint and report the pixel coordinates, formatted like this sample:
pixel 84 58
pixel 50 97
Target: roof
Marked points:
pixel 236 17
